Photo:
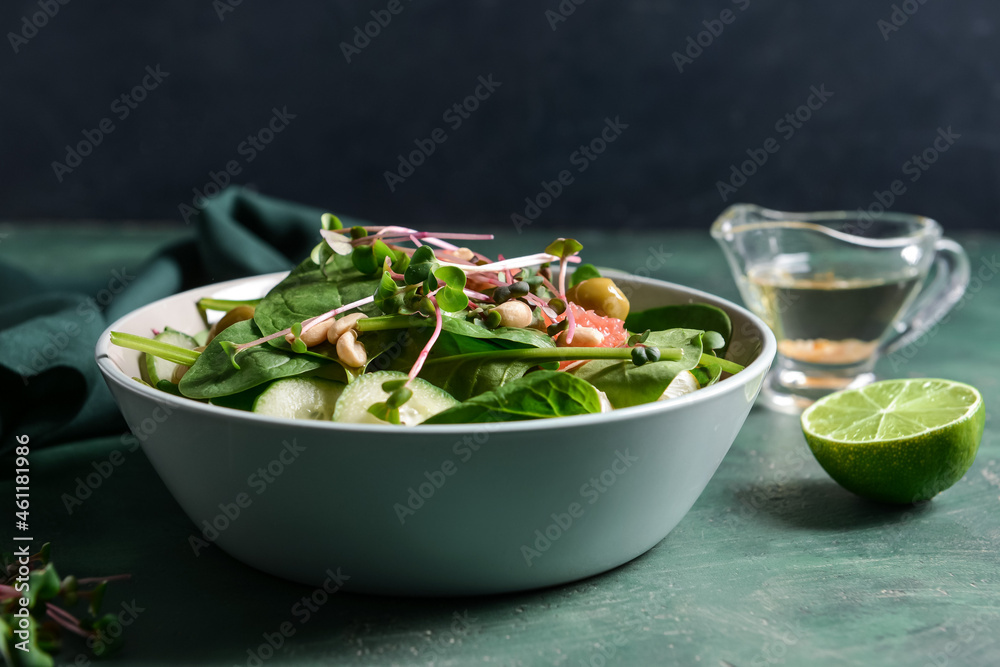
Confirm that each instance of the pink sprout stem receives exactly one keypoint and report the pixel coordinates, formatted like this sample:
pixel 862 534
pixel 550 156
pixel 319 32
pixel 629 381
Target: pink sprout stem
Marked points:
pixel 452 257
pixel 570 319
pixel 513 263
pixel 422 357
pixel 479 296
pixel 562 278
pixel 444 245
pixel 310 323
pixel 541 303
pixel 387 229
pixel 441 235
pixel 548 284
pixel 98 580
pixel 507 273
pixel 571 327
pixel 488 278
pixel 65 619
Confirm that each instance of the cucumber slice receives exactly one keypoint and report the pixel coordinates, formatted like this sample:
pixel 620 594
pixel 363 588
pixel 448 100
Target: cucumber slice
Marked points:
pixel 300 398
pixel 366 391
pixel 156 369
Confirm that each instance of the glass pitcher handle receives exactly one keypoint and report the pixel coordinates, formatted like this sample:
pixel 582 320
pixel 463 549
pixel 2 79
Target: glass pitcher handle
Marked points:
pixel 936 299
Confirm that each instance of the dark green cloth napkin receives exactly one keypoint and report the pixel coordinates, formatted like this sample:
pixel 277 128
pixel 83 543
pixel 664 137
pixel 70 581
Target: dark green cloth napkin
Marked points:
pixel 49 382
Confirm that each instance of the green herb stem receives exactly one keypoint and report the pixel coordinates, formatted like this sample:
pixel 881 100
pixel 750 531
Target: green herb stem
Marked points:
pixel 392 322
pixel 225 305
pixel 174 353
pixel 730 367
pixel 542 355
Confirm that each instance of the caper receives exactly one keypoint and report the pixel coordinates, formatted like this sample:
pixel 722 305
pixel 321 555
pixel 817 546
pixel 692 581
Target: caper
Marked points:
pixel 520 288
pixel 502 294
pixel 602 296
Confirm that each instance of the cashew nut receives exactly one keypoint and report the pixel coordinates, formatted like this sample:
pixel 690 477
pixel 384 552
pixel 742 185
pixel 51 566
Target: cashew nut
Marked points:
pixel 313 335
pixel 514 313
pixel 351 351
pixel 582 337
pixel 345 323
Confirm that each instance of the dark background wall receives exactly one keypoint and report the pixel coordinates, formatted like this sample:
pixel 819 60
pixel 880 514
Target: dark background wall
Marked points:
pixel 892 91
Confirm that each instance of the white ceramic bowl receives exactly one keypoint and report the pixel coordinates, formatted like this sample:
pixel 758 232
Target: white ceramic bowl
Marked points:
pixel 435 510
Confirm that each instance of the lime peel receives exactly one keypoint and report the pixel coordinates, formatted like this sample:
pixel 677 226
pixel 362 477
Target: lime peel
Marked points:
pixel 897 441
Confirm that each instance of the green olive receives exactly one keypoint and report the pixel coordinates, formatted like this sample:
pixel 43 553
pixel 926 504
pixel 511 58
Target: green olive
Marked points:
pixel 237 314
pixel 600 295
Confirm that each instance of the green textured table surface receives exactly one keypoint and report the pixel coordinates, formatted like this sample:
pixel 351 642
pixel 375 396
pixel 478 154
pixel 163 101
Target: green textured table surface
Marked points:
pixel 775 564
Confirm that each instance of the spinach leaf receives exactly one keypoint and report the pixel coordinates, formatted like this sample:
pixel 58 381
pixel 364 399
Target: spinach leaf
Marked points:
pixel 707 373
pixel 213 375
pixel 583 272
pixel 535 396
pixel 307 292
pixel 466 379
pixel 449 343
pixel 527 337
pixel 686 316
pixel 627 384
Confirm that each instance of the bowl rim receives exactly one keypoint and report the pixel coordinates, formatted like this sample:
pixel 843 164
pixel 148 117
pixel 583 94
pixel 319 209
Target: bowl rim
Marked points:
pixel 757 368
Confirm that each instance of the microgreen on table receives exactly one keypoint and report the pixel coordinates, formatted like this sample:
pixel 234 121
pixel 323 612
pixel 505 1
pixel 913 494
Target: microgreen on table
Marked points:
pixel 39 627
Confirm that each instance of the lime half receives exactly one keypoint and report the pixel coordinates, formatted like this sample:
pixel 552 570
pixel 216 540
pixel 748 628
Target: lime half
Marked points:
pixel 897 441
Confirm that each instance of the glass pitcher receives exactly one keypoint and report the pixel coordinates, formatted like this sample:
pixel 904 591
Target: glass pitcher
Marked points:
pixel 838 289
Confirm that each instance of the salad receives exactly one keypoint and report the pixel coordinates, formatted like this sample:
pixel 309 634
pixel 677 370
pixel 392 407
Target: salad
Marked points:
pixel 390 325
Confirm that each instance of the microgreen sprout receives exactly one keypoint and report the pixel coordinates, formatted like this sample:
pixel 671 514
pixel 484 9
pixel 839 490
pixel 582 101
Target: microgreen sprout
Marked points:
pixel 564 249
pixel 635 339
pixel 297 344
pixel 452 296
pixel 389 410
pixel 45 618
